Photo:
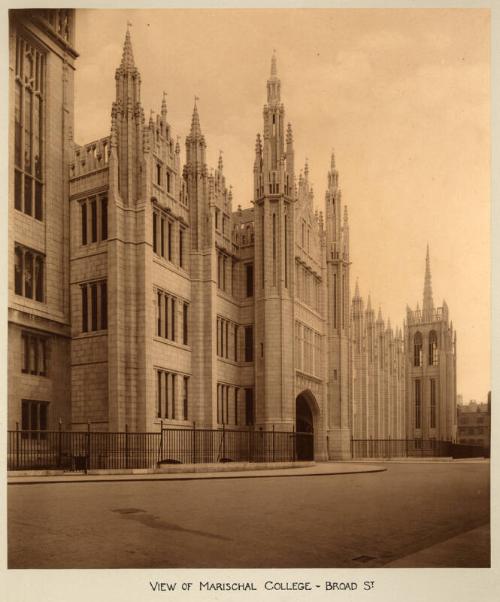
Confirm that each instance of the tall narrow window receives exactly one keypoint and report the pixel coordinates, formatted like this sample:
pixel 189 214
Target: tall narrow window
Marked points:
pixel 93 217
pixel 169 240
pixel 28 275
pixel 417 350
pixel 155 246
pixel 34 418
pixel 84 223
pixel 39 277
pixel 104 218
pixel 249 410
pixel 85 306
pixel 162 236
pixel 172 305
pixel 248 343
pixel 174 396
pixel 159 316
pixel 104 306
pixel 28 129
pixel 158 174
pixel 185 325
pixel 433 403
pixel 227 339
pixel 158 393
pixel 185 398
pixel 433 348
pixel 249 279
pixel 236 405
pixel 181 247
pixel 168 181
pixel 418 404
pixel 93 305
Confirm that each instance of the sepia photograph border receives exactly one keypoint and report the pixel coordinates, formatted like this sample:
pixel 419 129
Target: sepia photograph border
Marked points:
pixel 126 585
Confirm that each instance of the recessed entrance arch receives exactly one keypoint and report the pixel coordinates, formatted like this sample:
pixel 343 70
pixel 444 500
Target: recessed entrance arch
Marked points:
pixel 304 425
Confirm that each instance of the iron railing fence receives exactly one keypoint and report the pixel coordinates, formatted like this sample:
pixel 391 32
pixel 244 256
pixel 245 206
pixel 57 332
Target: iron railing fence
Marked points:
pixel 413 448
pixel 86 450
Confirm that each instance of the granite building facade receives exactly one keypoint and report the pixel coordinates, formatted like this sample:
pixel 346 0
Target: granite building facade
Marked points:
pixel 139 295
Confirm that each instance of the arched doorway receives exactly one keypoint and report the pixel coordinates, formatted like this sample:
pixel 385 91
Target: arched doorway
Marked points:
pixel 304 426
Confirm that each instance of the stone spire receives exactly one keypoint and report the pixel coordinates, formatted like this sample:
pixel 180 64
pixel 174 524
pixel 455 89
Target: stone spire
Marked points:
pixel 195 122
pixel 356 290
pixel 221 163
pixel 379 317
pixel 428 303
pixel 273 83
pixel 127 55
pixel 369 303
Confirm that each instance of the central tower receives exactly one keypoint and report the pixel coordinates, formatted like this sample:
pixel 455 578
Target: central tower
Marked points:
pixel 274 243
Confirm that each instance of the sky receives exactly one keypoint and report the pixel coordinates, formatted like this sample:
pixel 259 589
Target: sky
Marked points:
pixel 402 96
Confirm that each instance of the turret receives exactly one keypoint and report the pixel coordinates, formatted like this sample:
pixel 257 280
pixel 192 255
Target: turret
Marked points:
pixel 127 124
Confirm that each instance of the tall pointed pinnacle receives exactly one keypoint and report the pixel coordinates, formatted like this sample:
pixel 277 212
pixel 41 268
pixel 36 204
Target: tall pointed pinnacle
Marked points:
pixel 332 161
pixel 379 317
pixel 274 68
pixel 127 55
pixel 221 163
pixel 428 303
pixel 164 105
pixel 195 121
pixel 356 290
pixel 273 83
pixel 369 303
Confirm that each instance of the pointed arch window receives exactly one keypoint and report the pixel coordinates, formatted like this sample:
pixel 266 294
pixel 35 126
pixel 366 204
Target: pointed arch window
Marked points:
pixel 433 349
pixel 417 350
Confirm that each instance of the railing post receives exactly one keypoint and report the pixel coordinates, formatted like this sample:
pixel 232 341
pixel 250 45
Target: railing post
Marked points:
pixel 273 441
pixel 17 445
pixel 126 446
pixel 87 459
pixel 161 439
pixel 59 444
pixel 248 444
pixel 194 442
pixel 223 440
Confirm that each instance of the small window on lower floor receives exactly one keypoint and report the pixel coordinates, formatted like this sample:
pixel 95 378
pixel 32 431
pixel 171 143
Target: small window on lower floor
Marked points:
pixel 34 419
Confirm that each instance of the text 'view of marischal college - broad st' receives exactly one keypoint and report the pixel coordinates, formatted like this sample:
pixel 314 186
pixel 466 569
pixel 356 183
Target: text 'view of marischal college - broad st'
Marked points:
pixel 161 329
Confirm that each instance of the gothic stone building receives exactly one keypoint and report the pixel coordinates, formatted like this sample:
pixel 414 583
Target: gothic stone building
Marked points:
pixel 137 295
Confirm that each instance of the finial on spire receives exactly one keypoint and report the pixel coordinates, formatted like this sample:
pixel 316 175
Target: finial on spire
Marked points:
pixel 164 104
pixel 127 54
pixel 221 164
pixel 369 303
pixel 332 160
pixel 356 290
pixel 306 169
pixel 379 317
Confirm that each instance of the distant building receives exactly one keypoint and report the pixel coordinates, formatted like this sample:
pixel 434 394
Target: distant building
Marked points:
pixel 431 390
pixel 474 424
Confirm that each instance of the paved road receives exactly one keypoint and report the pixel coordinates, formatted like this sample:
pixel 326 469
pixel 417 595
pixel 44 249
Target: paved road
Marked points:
pixel 360 520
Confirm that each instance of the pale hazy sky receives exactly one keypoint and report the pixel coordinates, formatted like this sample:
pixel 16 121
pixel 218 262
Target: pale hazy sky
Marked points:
pixel 401 95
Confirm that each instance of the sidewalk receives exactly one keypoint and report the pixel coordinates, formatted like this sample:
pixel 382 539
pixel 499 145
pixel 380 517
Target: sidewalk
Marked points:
pixel 470 549
pixel 306 469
